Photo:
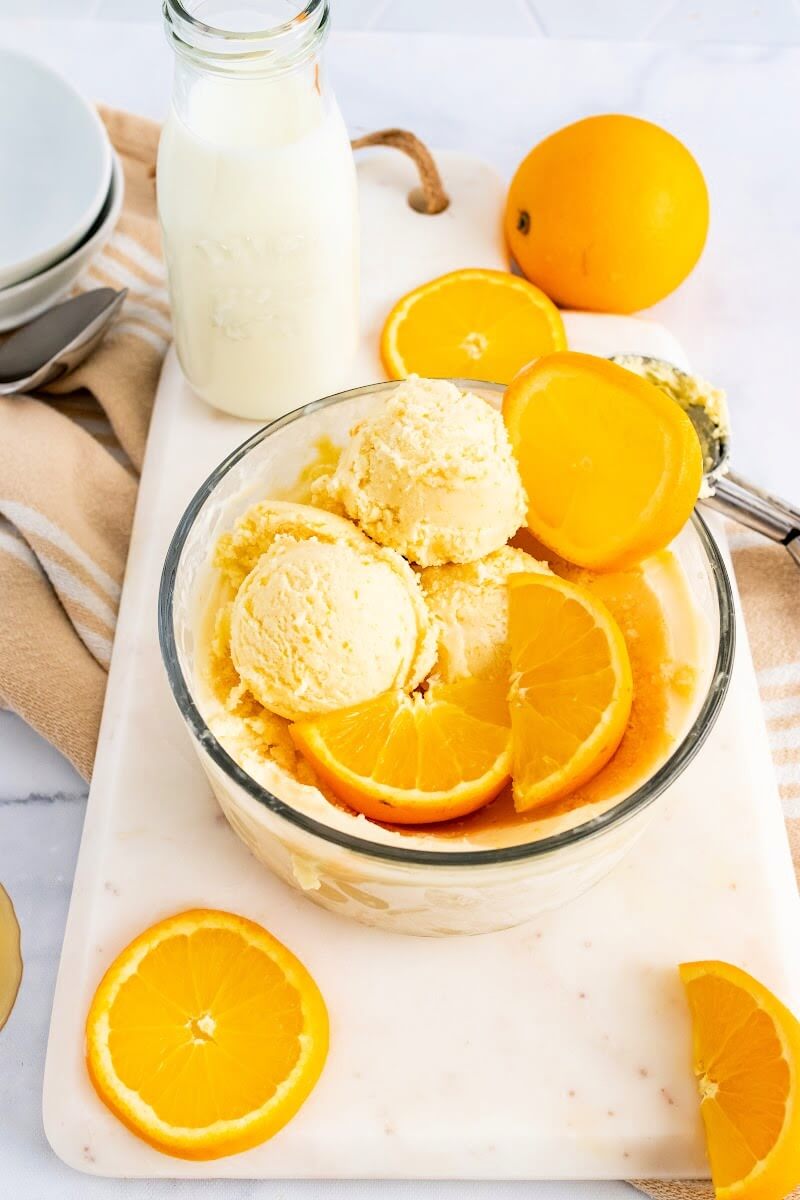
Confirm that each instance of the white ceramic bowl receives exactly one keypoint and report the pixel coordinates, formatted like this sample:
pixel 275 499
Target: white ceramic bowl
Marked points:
pixel 56 160
pixel 24 301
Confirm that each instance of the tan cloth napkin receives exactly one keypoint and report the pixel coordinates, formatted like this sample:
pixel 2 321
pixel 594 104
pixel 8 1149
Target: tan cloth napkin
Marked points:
pixel 68 483
pixel 68 488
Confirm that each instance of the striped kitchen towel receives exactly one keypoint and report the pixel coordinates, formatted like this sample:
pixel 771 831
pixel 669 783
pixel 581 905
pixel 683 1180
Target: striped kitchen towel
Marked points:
pixel 68 466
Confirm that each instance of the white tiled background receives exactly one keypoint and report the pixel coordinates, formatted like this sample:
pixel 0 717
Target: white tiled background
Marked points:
pixel 766 21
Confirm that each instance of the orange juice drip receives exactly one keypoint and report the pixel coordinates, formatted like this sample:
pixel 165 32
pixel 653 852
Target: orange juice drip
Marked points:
pixel 656 679
pixel 10 957
pixel 638 612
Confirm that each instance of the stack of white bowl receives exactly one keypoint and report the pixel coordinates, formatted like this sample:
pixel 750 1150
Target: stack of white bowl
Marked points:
pixel 62 187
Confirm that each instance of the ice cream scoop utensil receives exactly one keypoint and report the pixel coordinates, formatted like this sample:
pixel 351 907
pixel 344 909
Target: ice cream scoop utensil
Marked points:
pixel 727 492
pixel 54 343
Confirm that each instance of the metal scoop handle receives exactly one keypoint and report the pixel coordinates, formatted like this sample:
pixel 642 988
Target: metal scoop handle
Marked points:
pixel 742 501
pixel 729 494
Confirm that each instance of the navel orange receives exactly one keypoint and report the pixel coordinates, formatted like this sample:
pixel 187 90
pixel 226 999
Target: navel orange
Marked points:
pixel 611 465
pixel 609 214
pixel 205 1035
pixel 410 760
pixel 571 687
pixel 747 1062
pixel 470 324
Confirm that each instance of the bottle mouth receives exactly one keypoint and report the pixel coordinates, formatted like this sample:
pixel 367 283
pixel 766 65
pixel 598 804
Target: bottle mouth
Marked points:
pixel 230 40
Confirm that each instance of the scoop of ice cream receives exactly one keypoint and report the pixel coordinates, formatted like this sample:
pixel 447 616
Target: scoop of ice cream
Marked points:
pixel 320 625
pixel 470 604
pixel 431 475
pixel 238 552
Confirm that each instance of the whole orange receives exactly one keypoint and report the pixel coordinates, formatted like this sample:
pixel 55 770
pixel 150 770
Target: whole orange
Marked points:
pixel 610 214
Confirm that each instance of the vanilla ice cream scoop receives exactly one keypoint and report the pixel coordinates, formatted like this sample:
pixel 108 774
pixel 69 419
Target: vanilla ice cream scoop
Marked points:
pixel 320 625
pixel 431 475
pixel 470 604
pixel 238 552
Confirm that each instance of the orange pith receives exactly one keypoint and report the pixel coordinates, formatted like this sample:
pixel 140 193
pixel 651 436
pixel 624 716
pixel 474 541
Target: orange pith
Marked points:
pixel 472 324
pixel 746 1052
pixel 571 687
pixel 205 1035
pixel 612 471
pixel 414 759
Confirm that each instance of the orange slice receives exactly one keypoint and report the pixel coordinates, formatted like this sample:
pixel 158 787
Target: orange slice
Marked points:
pixel 475 324
pixel 205 1035
pixel 611 465
pixel 571 687
pixel 414 759
pixel 747 1061
pixel 10 956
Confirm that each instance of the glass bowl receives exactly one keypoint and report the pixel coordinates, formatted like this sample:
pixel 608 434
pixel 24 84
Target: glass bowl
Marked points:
pixel 420 885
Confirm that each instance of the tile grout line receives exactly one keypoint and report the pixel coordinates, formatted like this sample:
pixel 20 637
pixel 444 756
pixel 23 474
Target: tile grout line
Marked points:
pixel 536 19
pixel 661 13
pixel 43 798
pixel 372 22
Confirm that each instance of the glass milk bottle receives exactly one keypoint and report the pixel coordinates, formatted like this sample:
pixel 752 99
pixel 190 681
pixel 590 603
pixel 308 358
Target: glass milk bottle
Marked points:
pixel 258 208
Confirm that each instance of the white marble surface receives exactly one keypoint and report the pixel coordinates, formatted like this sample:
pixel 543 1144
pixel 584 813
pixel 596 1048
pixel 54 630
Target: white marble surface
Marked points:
pixel 516 1100
pixel 737 106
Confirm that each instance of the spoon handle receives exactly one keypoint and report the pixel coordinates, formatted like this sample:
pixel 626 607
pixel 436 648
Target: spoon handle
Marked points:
pixel 766 514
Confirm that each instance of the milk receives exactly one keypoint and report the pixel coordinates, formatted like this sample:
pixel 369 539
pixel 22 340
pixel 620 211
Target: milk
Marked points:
pixel 257 200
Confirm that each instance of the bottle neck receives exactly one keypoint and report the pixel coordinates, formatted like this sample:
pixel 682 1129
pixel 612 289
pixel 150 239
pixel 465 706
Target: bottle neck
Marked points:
pixel 253 43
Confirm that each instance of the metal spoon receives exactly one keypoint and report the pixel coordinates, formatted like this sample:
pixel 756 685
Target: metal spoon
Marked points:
pixel 54 343
pixel 725 491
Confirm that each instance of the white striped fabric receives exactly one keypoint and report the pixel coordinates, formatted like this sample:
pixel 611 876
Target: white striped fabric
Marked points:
pixel 36 528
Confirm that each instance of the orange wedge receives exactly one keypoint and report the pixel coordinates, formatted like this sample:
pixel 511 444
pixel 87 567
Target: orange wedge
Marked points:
pixel 205 1035
pixel 747 1061
pixel 571 687
pixel 410 760
pixel 611 465
pixel 474 324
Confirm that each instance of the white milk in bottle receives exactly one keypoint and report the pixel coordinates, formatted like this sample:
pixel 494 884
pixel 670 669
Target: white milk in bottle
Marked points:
pixel 257 201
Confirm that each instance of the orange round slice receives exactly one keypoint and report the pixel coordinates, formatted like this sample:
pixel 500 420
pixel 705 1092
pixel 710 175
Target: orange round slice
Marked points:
pixel 611 465
pixel 205 1035
pixel 746 1056
pixel 10 956
pixel 473 324
pixel 571 687
pixel 411 760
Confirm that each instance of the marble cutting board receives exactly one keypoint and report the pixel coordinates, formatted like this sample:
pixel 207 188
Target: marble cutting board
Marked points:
pixel 556 1050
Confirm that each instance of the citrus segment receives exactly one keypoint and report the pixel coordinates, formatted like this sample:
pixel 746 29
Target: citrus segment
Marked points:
pixel 746 1052
pixel 473 324
pixel 571 687
pixel 414 759
pixel 612 467
pixel 205 1035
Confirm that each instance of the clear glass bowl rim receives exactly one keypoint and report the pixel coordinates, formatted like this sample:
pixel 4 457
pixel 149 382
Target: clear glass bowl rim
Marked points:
pixel 638 800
